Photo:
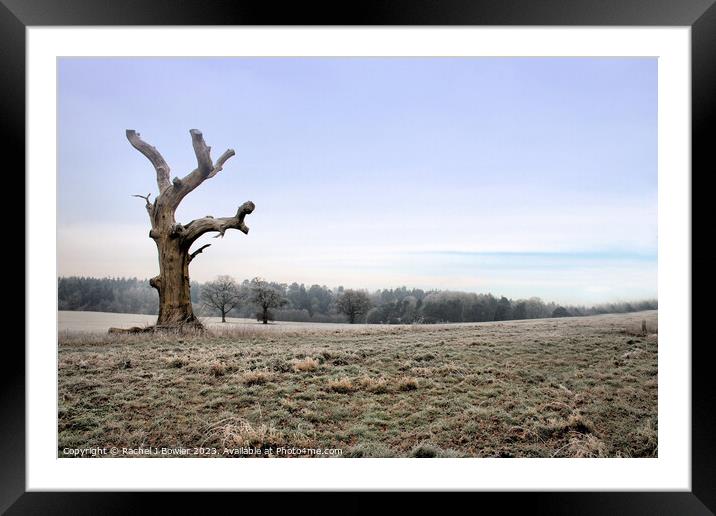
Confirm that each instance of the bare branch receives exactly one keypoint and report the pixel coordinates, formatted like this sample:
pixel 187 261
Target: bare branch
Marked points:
pixel 198 227
pixel 205 169
pixel 219 165
pixel 153 156
pixel 146 198
pixel 245 209
pixel 202 151
pixel 198 251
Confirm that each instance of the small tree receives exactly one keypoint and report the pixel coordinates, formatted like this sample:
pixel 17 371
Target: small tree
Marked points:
pixel 265 297
pixel 353 303
pixel 222 294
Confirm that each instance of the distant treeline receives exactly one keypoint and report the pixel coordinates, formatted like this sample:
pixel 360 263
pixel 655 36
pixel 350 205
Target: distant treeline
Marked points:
pixel 122 295
pixel 318 303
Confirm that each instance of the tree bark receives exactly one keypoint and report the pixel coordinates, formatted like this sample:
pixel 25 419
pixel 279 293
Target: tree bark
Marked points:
pixel 175 308
pixel 174 240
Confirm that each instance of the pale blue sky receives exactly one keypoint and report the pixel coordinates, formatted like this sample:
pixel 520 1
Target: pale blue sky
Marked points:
pixel 519 176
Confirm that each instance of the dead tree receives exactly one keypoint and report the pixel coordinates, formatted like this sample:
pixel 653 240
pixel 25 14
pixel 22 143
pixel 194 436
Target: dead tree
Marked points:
pixel 174 240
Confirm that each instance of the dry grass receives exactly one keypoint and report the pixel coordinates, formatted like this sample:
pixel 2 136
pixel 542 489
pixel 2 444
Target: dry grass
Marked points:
pixel 583 387
pixel 237 432
pixel 585 445
pixel 406 384
pixel 217 369
pixel 374 385
pixel 256 378
pixel 306 364
pixel 343 385
pixel 175 362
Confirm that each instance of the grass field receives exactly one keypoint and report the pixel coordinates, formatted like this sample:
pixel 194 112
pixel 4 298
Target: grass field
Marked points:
pixel 573 387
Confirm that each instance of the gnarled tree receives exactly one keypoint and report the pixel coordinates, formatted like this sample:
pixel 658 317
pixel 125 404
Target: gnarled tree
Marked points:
pixel 174 240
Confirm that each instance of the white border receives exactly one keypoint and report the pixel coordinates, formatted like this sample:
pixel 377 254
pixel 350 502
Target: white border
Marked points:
pixel 670 471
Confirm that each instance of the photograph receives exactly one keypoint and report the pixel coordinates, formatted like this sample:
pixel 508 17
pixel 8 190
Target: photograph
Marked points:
pixel 357 257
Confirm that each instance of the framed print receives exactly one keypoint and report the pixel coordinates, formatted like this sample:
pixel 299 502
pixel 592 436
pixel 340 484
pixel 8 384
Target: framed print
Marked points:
pixel 345 245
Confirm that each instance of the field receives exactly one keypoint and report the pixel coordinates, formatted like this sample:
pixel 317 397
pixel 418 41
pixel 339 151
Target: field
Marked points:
pixel 572 387
pixel 101 321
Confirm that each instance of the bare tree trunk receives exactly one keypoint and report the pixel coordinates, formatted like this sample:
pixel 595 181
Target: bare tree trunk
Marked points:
pixel 223 316
pixel 174 240
pixel 173 285
pixel 265 315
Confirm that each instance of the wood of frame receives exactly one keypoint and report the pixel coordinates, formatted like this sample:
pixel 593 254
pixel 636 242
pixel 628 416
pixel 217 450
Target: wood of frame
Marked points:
pixel 700 15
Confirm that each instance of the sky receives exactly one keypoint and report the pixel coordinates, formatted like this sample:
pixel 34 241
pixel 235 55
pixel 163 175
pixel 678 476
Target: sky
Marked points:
pixel 517 176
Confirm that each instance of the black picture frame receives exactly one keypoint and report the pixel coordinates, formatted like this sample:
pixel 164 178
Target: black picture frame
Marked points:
pixel 700 15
